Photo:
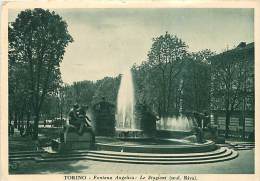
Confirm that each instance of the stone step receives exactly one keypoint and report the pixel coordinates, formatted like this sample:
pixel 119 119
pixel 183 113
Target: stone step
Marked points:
pixel 125 154
pixel 238 146
pixel 249 146
pixel 165 149
pixel 27 158
pixel 244 148
pixel 205 157
pixel 221 154
pixel 243 144
pixel 26 152
pixel 111 154
pixel 25 155
pixel 233 154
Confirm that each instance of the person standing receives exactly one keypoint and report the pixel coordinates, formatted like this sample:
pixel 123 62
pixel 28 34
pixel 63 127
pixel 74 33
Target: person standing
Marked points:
pixel 11 129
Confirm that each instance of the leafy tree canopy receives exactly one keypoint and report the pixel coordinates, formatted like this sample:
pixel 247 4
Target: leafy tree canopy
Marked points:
pixel 37 42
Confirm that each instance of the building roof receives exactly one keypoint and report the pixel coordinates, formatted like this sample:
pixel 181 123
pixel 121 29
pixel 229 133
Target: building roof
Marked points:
pixel 242 50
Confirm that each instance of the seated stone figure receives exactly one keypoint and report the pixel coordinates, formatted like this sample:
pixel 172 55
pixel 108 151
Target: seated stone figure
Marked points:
pixel 78 120
pixel 199 134
pixel 83 120
pixel 73 115
pixel 76 135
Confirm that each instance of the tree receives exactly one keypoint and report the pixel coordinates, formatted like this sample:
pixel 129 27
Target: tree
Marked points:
pixel 230 72
pixel 19 103
pixel 197 82
pixel 37 42
pixel 140 78
pixel 107 87
pixel 167 56
pixel 83 92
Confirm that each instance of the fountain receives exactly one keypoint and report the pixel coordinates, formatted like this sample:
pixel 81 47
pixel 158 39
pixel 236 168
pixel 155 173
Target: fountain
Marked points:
pixel 180 127
pixel 125 103
pixel 175 141
pixel 180 123
pixel 127 127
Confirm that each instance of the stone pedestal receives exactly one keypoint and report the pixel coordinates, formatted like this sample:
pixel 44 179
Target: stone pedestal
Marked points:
pixel 72 140
pixel 146 120
pixel 104 123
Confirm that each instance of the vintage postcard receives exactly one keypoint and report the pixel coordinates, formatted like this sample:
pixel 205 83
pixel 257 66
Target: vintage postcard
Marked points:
pixel 121 90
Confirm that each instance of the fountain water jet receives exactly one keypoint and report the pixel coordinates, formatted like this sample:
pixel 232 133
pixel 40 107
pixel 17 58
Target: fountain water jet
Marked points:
pixel 127 127
pixel 180 123
pixel 125 103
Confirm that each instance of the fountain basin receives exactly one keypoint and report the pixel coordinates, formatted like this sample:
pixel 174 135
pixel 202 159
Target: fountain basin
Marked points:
pixel 173 134
pixel 154 145
pixel 131 134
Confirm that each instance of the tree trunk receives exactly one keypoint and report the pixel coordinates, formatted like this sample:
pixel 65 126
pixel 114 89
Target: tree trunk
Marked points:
pixel 15 120
pixel 21 118
pixel 35 126
pixel 28 118
pixel 227 123
pixel 164 96
pixel 159 110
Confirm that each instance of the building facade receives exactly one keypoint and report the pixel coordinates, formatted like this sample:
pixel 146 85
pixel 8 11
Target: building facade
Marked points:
pixel 232 91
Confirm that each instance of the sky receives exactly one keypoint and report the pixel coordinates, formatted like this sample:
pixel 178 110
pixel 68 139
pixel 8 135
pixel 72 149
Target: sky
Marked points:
pixel 107 42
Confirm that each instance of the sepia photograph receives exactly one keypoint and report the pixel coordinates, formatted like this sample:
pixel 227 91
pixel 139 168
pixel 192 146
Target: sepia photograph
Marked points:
pixel 131 91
